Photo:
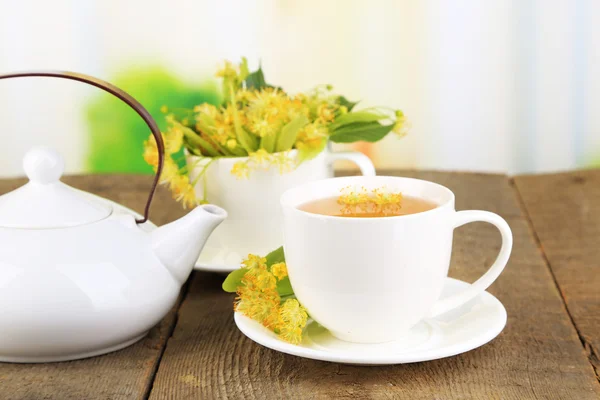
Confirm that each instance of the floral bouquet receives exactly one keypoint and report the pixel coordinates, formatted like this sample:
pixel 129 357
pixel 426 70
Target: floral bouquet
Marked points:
pixel 261 124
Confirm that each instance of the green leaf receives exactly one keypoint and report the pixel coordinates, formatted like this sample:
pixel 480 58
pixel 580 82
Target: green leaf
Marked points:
pixel 358 116
pixel 306 154
pixel 284 287
pixel 289 133
pixel 268 143
pixel 244 69
pixel 197 141
pixel 346 103
pixel 276 256
pixel 361 131
pixel 256 80
pixel 233 280
pixel 248 141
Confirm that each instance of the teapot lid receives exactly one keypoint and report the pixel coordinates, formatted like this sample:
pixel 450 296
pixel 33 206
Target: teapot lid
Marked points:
pixel 45 202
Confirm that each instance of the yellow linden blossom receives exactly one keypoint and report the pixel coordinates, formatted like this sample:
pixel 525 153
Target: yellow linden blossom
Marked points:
pixel 151 152
pixel 292 320
pixel 254 261
pixel 241 170
pixel 260 156
pixel 244 96
pixel 326 113
pixel 183 191
pixel 261 278
pixel 232 144
pixel 228 70
pixel 260 305
pixel 169 173
pixel 283 161
pixel 353 200
pixel 377 201
pixel 257 294
pixel 311 136
pixel 401 125
pixel 386 202
pixel 173 140
pixel 257 298
pixel 267 112
pixel 279 270
pixel 207 109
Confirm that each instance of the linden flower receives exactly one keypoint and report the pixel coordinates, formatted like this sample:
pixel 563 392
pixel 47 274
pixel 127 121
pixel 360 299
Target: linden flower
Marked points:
pixel 183 191
pixel 325 113
pixel 169 173
pixel 401 125
pixel 244 96
pixel 173 141
pixel 207 109
pixel 232 144
pixel 261 278
pixel 292 320
pixel 283 161
pixel 241 170
pixel 253 261
pixel 279 270
pixel 257 298
pixel 261 306
pixel 377 201
pixel 260 156
pixel 267 112
pixel 151 152
pixel 228 70
pixel 354 200
pixel 257 294
pixel 311 136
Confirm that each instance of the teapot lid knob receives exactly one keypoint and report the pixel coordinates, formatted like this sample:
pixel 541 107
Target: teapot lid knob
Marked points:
pixel 43 165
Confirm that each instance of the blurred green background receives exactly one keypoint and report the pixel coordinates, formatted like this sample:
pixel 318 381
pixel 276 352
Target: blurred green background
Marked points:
pixel 117 132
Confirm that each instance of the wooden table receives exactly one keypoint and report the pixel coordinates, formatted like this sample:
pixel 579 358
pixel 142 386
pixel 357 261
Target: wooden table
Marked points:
pixel 550 348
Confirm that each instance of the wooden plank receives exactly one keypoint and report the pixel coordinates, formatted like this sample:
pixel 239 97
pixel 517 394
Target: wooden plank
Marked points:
pixel 565 213
pixel 537 356
pixel 125 374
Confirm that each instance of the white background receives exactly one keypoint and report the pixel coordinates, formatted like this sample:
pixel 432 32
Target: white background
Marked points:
pixel 497 86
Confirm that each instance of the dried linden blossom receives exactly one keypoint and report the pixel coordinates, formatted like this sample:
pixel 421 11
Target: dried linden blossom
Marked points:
pixel 377 201
pixel 257 298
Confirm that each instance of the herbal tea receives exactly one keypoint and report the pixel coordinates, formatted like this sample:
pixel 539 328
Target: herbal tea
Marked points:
pixel 367 209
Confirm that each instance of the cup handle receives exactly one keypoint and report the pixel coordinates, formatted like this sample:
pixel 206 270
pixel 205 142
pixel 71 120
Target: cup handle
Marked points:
pixel 363 162
pixel 464 217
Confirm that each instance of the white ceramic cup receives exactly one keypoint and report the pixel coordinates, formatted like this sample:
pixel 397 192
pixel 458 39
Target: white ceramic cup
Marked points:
pixel 369 280
pixel 254 222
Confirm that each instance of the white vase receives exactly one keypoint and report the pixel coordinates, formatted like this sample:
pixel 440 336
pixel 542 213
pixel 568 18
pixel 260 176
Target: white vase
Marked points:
pixel 254 222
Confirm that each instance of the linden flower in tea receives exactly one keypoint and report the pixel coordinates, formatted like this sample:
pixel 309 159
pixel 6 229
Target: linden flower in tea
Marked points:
pixel 261 124
pixel 362 203
pixel 376 202
pixel 264 294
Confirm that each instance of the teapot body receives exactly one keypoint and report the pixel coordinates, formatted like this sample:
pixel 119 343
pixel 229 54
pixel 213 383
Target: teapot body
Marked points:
pixel 81 275
pixel 76 292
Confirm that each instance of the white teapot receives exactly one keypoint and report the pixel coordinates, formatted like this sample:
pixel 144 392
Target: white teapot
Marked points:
pixel 79 274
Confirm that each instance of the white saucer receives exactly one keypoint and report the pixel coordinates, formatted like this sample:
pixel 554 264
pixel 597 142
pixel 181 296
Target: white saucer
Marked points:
pixel 457 331
pixel 220 260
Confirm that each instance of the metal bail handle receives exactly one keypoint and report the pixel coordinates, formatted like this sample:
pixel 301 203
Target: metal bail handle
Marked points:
pixel 126 98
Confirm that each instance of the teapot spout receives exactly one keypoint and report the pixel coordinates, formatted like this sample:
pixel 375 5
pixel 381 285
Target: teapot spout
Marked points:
pixel 179 243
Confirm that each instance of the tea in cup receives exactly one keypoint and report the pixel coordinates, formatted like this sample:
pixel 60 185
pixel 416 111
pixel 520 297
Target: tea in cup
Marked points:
pixel 372 266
